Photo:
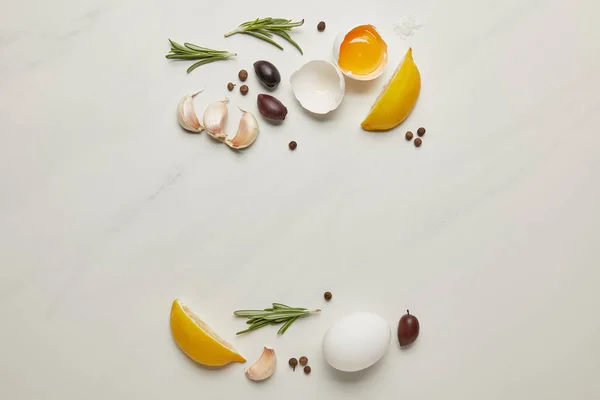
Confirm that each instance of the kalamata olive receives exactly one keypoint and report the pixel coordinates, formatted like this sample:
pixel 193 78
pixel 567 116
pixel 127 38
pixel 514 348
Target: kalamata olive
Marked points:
pixel 271 108
pixel 267 74
pixel 408 329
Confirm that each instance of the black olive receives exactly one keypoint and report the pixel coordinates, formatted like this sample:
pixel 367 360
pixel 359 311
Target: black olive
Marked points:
pixel 271 108
pixel 267 74
pixel 408 329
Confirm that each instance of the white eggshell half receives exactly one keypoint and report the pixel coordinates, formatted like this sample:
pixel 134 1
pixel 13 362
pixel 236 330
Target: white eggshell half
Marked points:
pixel 356 342
pixel 339 39
pixel 319 86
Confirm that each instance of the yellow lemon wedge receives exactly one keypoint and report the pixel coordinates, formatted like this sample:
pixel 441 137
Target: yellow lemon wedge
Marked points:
pixel 397 99
pixel 198 341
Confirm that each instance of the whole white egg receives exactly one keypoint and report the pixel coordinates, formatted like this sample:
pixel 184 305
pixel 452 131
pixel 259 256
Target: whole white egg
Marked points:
pixel 357 341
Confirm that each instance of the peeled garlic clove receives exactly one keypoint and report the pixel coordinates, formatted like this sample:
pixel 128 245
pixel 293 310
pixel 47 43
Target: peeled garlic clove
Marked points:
pixel 186 115
pixel 246 133
pixel 264 367
pixel 214 119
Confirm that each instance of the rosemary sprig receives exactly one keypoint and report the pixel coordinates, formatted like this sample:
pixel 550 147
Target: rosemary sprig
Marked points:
pixel 265 28
pixel 278 314
pixel 190 51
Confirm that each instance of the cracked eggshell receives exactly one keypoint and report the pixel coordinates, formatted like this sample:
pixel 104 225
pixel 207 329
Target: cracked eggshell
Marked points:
pixel 319 86
pixel 339 39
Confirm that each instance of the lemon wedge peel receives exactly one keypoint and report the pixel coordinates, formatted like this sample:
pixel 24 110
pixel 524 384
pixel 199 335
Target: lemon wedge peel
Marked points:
pixel 198 341
pixel 397 99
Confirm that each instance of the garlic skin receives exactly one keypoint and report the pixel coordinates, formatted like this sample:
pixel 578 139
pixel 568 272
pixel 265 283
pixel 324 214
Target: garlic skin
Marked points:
pixel 246 133
pixel 264 367
pixel 186 115
pixel 214 119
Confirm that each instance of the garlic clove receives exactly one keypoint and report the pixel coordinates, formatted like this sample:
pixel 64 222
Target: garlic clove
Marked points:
pixel 186 115
pixel 264 367
pixel 214 119
pixel 246 133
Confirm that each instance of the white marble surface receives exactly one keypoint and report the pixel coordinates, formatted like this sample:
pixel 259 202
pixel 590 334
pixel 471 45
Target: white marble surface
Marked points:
pixel 489 232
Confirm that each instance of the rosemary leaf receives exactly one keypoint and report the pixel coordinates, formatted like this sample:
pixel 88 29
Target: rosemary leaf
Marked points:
pixel 274 317
pixel 287 37
pixel 188 56
pixel 177 51
pixel 254 327
pixel 287 311
pixel 278 314
pixel 252 320
pixel 202 62
pixel 177 45
pixel 285 326
pixel 280 21
pixel 190 51
pixel 265 28
pixel 266 39
pixel 286 26
pixel 193 47
pixel 280 305
pixel 265 33
pixel 249 313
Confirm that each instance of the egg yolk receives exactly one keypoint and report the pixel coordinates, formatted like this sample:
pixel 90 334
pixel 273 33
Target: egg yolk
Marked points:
pixel 362 51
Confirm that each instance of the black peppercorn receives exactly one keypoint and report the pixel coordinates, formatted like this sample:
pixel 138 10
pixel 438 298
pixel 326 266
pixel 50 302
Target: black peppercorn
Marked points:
pixel 321 26
pixel 421 131
pixel 307 370
pixel 293 145
pixel 244 90
pixel 409 135
pixel 418 142
pixel 328 296
pixel 293 362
